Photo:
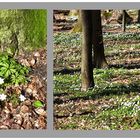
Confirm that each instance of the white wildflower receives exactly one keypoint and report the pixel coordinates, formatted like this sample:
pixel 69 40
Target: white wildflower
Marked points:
pixel 96 86
pixel 1 81
pixel 128 104
pixel 3 97
pixel 22 98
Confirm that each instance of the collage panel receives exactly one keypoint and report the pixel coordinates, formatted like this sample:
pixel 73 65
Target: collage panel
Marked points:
pixel 96 69
pixel 23 69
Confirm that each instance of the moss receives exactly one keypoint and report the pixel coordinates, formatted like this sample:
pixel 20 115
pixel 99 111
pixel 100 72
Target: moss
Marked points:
pixel 30 26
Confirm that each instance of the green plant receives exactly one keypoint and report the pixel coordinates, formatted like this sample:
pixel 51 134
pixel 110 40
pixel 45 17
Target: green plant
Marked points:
pixel 14 99
pixel 74 39
pixel 37 104
pixel 12 71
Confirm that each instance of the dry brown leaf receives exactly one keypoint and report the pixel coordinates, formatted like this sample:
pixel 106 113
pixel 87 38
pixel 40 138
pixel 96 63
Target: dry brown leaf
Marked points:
pixel 18 119
pixel 37 54
pixel 24 109
pixel 28 90
pixel 32 62
pixel 25 62
pixel 4 127
pixel 42 122
pixel 40 111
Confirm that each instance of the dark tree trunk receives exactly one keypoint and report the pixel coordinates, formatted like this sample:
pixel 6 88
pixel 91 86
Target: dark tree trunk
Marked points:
pixel 99 60
pixel 92 42
pixel 138 20
pixel 87 67
pixel 123 20
pixel 128 19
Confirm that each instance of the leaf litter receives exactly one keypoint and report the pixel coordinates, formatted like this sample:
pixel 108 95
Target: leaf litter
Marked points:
pixel 21 114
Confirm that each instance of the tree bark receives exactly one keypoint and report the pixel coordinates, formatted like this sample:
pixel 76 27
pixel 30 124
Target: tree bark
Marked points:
pixel 128 19
pixel 123 20
pixel 97 41
pixel 87 66
pixel 138 20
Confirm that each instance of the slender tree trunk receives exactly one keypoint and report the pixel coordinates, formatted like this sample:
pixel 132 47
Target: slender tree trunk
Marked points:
pixel 138 20
pixel 87 67
pixel 123 20
pixel 128 19
pixel 97 38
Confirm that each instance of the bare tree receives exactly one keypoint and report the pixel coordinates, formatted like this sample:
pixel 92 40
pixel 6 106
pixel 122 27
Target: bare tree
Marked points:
pixel 92 42
pixel 123 20
pixel 138 20
pixel 99 60
pixel 87 66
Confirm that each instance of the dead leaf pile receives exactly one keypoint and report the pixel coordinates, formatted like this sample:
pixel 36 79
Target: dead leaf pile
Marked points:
pixel 22 114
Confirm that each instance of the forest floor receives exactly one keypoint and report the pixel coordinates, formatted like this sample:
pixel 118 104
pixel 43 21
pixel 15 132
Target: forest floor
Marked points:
pixel 114 103
pixel 15 114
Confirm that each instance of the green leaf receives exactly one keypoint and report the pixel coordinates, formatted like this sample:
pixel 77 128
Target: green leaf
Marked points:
pixel 12 70
pixel 8 72
pixel 37 104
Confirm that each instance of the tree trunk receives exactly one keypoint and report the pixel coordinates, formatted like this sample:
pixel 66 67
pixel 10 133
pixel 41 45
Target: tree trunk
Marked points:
pixel 97 40
pixel 128 19
pixel 123 20
pixel 87 67
pixel 138 20
pixel 28 25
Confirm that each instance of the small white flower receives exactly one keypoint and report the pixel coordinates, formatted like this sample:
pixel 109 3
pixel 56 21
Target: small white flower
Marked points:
pixel 96 86
pixel 22 98
pixel 3 97
pixel 128 104
pixel 1 81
